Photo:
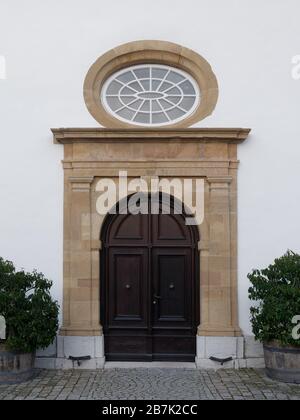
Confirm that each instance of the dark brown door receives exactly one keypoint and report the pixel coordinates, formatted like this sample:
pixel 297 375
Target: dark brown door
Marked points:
pixel 149 294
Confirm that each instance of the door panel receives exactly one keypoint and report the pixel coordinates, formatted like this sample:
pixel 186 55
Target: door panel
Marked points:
pixel 169 230
pixel 127 321
pixel 128 230
pixel 127 287
pixel 173 331
pixel 172 285
pixel 180 348
pixel 130 346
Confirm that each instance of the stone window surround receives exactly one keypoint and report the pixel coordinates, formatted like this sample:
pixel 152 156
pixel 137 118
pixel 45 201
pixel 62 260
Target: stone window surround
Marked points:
pixel 210 154
pixel 152 52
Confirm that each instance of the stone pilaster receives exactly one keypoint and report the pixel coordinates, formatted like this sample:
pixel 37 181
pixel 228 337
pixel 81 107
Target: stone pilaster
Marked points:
pixel 78 289
pixel 219 300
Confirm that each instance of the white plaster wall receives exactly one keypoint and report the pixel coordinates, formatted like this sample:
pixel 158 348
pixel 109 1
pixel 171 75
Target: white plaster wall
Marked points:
pixel 49 46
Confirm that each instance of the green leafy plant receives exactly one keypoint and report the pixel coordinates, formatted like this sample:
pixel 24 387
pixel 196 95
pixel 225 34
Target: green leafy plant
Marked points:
pixel 30 313
pixel 276 290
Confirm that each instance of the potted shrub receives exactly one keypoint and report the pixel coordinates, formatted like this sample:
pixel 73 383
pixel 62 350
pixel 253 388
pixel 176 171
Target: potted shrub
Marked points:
pixel 31 317
pixel 276 290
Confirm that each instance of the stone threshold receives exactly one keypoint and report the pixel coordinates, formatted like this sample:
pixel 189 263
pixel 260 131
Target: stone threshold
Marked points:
pixel 150 365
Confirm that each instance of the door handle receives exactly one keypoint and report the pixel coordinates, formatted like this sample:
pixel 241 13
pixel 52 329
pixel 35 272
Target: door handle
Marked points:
pixel 157 297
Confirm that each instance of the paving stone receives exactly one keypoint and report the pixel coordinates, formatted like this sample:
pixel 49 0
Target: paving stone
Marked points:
pixel 151 384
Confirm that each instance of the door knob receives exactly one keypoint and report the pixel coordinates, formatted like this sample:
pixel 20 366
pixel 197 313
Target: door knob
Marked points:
pixel 128 286
pixel 154 302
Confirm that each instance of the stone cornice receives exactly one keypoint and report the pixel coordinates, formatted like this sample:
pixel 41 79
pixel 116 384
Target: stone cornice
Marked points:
pixel 95 135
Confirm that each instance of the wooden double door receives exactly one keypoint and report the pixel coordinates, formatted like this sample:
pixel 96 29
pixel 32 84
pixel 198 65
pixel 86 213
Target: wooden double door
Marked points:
pixel 149 289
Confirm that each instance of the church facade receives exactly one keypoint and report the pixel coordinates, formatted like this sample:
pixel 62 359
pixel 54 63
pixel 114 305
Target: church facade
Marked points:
pixel 169 183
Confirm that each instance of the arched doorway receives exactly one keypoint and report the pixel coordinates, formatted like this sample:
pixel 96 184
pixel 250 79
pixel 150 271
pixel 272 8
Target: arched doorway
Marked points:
pixel 149 285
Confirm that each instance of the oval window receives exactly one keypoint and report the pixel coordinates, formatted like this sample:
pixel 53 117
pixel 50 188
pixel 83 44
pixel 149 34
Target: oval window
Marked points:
pixel 150 95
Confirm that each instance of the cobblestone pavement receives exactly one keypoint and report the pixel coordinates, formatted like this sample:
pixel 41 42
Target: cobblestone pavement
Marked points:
pixel 152 384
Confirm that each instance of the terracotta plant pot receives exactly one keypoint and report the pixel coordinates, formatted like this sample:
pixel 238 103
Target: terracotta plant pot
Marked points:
pixel 282 363
pixel 15 367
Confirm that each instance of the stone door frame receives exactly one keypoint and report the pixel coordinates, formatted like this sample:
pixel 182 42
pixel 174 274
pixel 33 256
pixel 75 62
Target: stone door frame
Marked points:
pixel 91 154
